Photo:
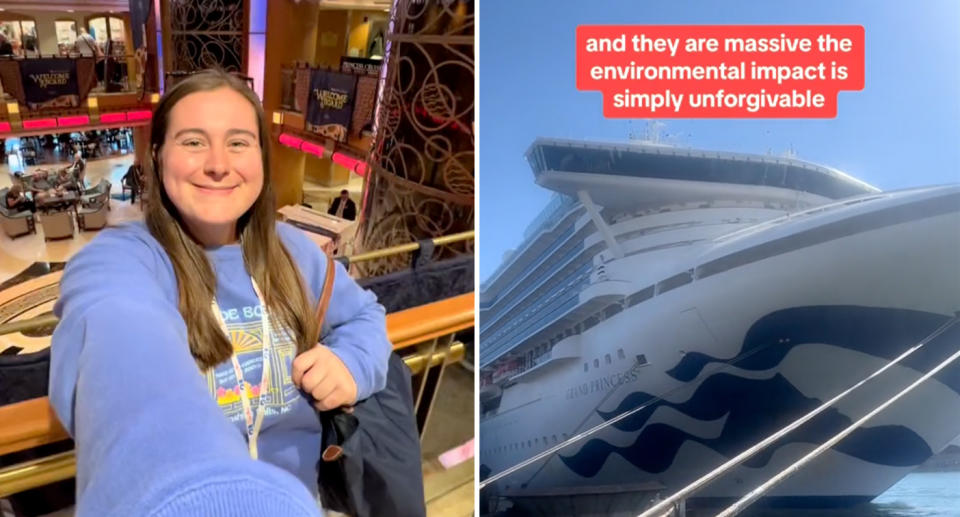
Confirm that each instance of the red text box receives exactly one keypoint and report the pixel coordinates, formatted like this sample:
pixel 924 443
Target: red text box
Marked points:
pixel 720 71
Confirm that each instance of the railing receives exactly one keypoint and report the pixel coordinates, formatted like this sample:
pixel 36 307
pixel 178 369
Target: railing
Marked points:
pixel 49 319
pixel 114 73
pixel 424 336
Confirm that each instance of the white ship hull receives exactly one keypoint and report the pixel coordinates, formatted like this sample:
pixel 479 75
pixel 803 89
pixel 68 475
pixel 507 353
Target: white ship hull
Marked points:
pixel 773 323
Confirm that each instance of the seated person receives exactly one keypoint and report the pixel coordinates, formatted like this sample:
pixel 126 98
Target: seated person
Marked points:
pixel 52 177
pixel 17 201
pixel 133 180
pixel 78 168
pixel 66 183
pixel 36 182
pixel 343 207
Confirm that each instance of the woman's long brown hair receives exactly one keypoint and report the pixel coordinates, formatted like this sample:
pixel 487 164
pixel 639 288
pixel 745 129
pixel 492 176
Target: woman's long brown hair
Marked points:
pixel 265 257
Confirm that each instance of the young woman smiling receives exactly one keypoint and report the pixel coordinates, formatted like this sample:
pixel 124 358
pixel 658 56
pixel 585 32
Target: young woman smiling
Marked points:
pixel 210 280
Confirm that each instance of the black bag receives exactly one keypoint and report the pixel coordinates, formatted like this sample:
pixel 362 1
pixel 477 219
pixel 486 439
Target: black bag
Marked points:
pixel 370 464
pixel 370 461
pixel 24 377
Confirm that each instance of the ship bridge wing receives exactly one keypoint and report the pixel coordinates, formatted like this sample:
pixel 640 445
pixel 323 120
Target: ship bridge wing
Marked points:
pixel 644 175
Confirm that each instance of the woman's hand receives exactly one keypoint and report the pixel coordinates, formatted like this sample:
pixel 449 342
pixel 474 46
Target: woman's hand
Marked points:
pixel 323 375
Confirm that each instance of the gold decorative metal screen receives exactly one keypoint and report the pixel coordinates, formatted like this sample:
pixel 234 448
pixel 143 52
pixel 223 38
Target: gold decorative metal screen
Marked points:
pixel 421 180
pixel 207 34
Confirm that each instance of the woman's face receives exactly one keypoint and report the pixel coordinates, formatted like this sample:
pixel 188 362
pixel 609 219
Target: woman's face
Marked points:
pixel 210 162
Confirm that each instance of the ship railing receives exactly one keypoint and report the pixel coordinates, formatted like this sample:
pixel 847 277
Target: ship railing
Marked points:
pixel 671 505
pixel 424 336
pixel 528 364
pixel 507 374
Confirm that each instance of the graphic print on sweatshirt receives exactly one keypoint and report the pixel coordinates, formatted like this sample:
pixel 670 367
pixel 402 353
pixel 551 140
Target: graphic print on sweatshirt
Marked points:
pixel 245 328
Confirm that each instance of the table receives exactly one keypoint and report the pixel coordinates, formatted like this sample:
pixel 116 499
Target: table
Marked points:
pixel 47 202
pixel 329 232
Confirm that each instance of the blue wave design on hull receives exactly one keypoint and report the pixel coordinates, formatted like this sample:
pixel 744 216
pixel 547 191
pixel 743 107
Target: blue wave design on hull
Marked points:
pixel 884 333
pixel 756 408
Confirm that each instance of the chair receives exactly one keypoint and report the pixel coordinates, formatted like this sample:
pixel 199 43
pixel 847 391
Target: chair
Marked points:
pixel 92 218
pixel 57 225
pixel 100 194
pixel 29 156
pixel 15 224
pixel 124 189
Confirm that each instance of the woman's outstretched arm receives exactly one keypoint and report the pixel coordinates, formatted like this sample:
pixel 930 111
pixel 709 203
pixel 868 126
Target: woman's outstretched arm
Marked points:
pixel 150 439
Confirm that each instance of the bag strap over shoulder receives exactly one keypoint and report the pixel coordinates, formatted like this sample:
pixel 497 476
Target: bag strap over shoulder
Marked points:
pixel 324 302
pixel 343 423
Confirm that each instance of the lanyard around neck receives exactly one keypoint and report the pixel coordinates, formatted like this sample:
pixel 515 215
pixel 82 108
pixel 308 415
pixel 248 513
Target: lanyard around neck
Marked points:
pixel 253 422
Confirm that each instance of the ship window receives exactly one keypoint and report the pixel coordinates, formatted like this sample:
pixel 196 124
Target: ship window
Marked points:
pixel 620 354
pixel 544 440
pixel 529 443
pixel 554 438
pixel 636 298
pixel 641 359
pixel 612 309
pixel 596 363
pixel 589 323
pixel 586 367
pixel 564 436
pixel 608 359
pixel 675 281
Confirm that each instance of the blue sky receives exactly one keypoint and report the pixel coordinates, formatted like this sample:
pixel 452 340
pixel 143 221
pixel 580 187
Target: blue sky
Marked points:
pixel 901 130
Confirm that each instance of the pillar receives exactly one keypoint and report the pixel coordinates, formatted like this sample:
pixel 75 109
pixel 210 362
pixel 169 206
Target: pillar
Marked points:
pixel 141 143
pixel 325 172
pixel 291 37
pixel 331 39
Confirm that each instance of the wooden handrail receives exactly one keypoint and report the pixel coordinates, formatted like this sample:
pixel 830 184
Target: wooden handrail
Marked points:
pixel 425 322
pixel 29 424
pixel 32 423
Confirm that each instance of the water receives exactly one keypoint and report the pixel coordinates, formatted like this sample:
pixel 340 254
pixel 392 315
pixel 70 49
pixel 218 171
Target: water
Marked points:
pixel 927 494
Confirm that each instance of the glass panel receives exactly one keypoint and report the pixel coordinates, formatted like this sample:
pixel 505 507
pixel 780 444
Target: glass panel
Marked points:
pixel 116 29
pixel 98 29
pixel 117 37
pixel 66 32
pixel 31 45
pixel 11 30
